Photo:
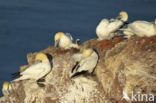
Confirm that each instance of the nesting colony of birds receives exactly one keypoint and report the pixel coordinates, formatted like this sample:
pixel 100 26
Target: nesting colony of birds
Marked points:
pixel 86 61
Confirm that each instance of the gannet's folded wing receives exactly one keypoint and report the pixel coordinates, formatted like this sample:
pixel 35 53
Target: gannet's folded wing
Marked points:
pixel 69 36
pixel 88 64
pixel 34 69
pixel 76 57
pixel 113 26
pixel 140 26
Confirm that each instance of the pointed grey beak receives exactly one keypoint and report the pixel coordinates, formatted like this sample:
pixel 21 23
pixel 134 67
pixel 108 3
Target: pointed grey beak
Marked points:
pixel 57 43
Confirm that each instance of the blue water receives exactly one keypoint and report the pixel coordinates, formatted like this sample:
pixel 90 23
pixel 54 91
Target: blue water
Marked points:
pixel 29 25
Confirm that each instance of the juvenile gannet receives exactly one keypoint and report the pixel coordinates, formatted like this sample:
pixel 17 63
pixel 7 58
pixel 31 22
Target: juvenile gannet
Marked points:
pixel 141 29
pixel 86 64
pixel 6 88
pixel 64 41
pixel 106 28
pixel 37 71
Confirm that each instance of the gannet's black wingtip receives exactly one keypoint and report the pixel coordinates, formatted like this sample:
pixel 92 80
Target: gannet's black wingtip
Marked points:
pixel 77 74
pixel 76 66
pixel 16 75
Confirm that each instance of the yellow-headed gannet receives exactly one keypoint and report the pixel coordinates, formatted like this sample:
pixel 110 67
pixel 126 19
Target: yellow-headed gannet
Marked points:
pixel 106 28
pixel 141 29
pixel 64 41
pixel 6 88
pixel 86 62
pixel 37 71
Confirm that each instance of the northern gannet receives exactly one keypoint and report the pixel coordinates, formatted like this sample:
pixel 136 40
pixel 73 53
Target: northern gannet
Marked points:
pixel 141 29
pixel 37 71
pixel 64 41
pixel 86 62
pixel 6 88
pixel 106 28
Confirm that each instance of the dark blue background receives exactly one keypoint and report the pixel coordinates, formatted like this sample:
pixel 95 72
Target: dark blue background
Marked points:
pixel 29 25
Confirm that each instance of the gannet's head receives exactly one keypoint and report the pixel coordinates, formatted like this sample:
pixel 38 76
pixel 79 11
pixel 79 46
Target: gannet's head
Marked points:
pixel 123 16
pixel 155 21
pixel 5 86
pixel 41 57
pixel 87 52
pixel 58 36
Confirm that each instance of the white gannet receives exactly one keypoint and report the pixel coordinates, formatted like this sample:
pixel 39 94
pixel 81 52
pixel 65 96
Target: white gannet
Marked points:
pixel 38 70
pixel 106 28
pixel 141 29
pixel 86 62
pixel 64 41
pixel 6 88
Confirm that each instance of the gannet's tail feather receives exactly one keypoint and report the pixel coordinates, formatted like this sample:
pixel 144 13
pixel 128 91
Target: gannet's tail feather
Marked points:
pixel 77 63
pixel 24 77
pixel 77 74
pixel 16 75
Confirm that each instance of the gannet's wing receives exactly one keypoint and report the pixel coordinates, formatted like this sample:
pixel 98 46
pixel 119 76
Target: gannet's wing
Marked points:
pixel 76 57
pixel 78 74
pixel 114 26
pixel 75 67
pixel 15 75
pixel 89 63
pixel 69 36
pixel 34 69
pixel 140 26
pixel 104 23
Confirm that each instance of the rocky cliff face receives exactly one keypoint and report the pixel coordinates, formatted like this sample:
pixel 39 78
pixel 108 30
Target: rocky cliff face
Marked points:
pixel 124 65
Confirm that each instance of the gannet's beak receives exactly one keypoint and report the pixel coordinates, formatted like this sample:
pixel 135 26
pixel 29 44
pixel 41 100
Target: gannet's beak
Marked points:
pixel 57 43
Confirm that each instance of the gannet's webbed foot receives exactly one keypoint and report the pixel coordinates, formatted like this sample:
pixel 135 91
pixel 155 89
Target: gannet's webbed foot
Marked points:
pixel 40 84
pixel 41 80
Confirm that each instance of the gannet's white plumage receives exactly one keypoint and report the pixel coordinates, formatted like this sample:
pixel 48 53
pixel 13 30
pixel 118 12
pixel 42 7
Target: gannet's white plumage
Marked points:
pixel 6 88
pixel 106 28
pixel 38 70
pixel 141 29
pixel 87 63
pixel 64 41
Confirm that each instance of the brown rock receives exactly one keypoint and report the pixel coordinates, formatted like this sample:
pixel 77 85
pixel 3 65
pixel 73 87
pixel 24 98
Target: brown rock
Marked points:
pixel 124 65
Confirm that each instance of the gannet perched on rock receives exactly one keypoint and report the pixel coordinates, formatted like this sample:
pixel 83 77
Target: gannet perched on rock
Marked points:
pixel 106 28
pixel 64 41
pixel 37 71
pixel 6 88
pixel 141 29
pixel 86 62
